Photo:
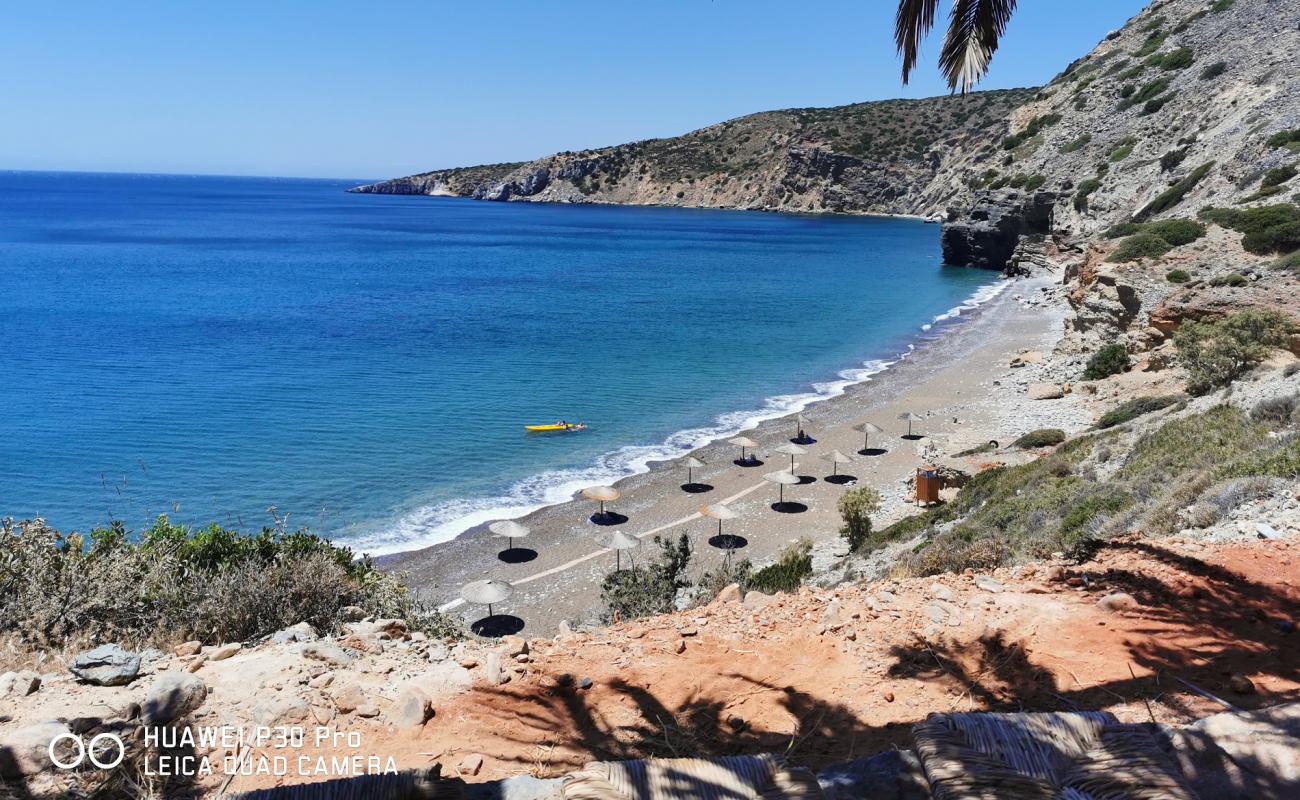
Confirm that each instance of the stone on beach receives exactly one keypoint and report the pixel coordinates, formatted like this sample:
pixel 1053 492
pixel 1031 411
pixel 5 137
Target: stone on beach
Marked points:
pixel 106 665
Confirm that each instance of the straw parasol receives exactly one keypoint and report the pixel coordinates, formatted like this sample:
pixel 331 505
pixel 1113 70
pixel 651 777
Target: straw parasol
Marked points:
pixel 485 593
pixel 692 463
pixel 510 529
pixel 782 479
pixel 836 458
pixel 719 512
pixel 866 429
pixel 743 442
pixel 791 450
pixel 618 542
pixel 602 495
pixel 801 421
pixel 910 417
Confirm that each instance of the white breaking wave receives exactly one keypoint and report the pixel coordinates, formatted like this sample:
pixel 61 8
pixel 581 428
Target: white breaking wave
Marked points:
pixel 442 522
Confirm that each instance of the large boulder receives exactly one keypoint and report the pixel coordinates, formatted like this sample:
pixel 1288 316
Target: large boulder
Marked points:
pixel 106 665
pixel 411 708
pixel 173 696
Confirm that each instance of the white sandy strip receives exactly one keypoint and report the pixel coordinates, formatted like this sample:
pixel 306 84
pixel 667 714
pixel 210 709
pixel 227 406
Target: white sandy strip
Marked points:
pixel 606 551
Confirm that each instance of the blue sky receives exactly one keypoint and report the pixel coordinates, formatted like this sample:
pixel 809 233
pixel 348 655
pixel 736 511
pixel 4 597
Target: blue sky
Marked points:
pixel 361 90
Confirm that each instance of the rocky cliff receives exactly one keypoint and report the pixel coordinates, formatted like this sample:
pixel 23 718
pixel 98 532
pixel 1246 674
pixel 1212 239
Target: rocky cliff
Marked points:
pixel 865 158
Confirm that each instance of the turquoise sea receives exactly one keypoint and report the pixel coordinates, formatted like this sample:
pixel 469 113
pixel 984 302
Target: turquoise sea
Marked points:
pixel 211 347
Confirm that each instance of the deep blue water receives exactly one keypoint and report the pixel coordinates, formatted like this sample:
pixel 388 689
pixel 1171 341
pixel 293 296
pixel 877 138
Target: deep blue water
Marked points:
pixel 209 347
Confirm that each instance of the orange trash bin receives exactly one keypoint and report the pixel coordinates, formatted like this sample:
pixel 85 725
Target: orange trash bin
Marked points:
pixel 927 485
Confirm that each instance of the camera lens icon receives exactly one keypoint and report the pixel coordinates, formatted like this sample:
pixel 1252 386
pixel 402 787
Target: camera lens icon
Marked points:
pixel 81 751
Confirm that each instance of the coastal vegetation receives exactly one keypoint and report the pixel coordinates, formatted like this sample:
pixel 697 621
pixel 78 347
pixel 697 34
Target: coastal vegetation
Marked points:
pixel 172 583
pixel 1111 359
pixel 1130 410
pixel 1265 229
pixel 1043 437
pixel 651 588
pixel 1216 353
pixel 856 507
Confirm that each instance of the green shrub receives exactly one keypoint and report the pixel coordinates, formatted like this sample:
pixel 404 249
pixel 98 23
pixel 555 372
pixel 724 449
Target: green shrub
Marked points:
pixel 1289 263
pixel 1122 229
pixel 1177 231
pixel 1252 220
pixel 1232 279
pixel 786 575
pixel 1111 359
pixel 1220 6
pixel 1214 70
pixel 856 507
pixel 1086 188
pixel 1138 246
pixel 1151 44
pixel 1076 144
pixel 1278 239
pixel 1034 182
pixel 1174 194
pixel 1181 58
pixel 1177 276
pixel 1035 126
pixel 1216 353
pixel 1153 106
pixel 172 584
pixel 1284 138
pixel 1277 412
pixel 1279 175
pixel 650 589
pixel 1043 437
pixel 1132 409
pixel 1122 149
pixel 1172 159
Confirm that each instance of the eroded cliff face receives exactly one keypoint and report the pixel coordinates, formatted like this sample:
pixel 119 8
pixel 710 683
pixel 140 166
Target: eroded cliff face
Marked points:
pixel 864 158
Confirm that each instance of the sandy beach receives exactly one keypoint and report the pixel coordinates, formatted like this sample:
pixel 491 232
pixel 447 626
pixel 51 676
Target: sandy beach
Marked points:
pixel 960 382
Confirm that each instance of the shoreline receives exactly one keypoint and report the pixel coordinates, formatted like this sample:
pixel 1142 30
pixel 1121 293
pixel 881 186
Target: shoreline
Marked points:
pixel 950 376
pixel 562 484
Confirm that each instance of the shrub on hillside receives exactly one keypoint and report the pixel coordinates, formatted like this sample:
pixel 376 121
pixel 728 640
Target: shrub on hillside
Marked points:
pixel 1216 353
pixel 1177 231
pixel 1076 144
pixel 1277 412
pixel 1279 175
pixel 1043 437
pixel 1214 70
pixel 1177 276
pixel 1122 229
pixel 650 589
pixel 856 507
pixel 1138 246
pixel 1290 263
pixel 1122 149
pixel 1086 188
pixel 1284 138
pixel 792 566
pixel 1252 220
pixel 1232 280
pixel 1172 159
pixel 1132 409
pixel 1109 360
pixel 1181 58
pixel 172 584
pixel 1174 194
pixel 1278 239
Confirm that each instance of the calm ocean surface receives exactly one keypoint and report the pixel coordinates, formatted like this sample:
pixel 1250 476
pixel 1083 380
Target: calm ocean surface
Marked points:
pixel 209 347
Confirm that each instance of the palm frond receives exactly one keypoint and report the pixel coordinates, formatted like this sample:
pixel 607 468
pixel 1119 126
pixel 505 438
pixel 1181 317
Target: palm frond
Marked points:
pixel 914 20
pixel 974 30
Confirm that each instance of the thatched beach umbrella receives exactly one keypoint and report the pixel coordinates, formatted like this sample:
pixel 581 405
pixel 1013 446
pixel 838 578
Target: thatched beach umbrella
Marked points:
pixel 836 458
pixel 602 495
pixel 743 442
pixel 510 529
pixel 485 593
pixel 866 429
pixel 618 542
pixel 791 450
pixel 910 417
pixel 719 512
pixel 692 463
pixel 782 479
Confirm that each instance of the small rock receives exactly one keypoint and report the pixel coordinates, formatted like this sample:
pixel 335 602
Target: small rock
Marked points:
pixel 188 649
pixel 411 708
pixel 27 750
pixel 514 645
pixel 471 764
pixel 888 697
pixel 493 671
pixel 367 711
pixel 469 662
pixel 1056 572
pixel 1045 391
pixel 729 594
pixel 352 613
pixel 326 652
pixel 106 665
pixel 321 681
pixel 680 646
pixel 302 632
pixel 584 683
pixel 1265 531
pixel 1117 602
pixel 988 584
pixel 347 697
pixel 940 592
pixel 281 710
pixel 755 599
pixel 196 664
pixel 173 697
pixel 224 651
pixel 1241 684
pixel 364 643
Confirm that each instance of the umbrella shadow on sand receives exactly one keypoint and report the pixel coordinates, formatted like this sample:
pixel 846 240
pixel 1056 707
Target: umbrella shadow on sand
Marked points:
pixel 497 625
pixel 804 480
pixel 517 555
pixel 696 488
pixel 728 541
pixel 872 451
pixel 841 479
pixel 607 518
pixel 789 507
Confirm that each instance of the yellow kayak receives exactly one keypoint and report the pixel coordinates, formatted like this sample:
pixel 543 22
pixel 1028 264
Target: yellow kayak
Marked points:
pixel 558 426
